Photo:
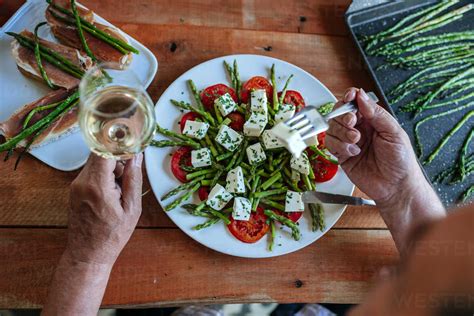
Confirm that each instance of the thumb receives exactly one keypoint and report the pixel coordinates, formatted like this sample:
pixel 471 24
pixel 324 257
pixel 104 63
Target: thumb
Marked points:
pixel 132 184
pixel 375 115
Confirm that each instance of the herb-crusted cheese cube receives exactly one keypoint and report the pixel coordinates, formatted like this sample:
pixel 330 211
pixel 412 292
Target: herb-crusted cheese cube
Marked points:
pixel 294 202
pixel 195 129
pixel 242 209
pixel 235 181
pixel 270 141
pixel 228 138
pixel 225 104
pixel 300 164
pixel 285 112
pixel 201 157
pixel 256 154
pixel 258 101
pixel 291 138
pixel 255 125
pixel 218 197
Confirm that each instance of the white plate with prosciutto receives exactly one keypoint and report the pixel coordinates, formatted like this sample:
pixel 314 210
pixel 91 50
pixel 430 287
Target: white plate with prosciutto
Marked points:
pixel 41 66
pixel 220 174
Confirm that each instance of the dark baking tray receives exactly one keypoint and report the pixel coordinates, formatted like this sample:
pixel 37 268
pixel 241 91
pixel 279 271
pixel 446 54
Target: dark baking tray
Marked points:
pixel 377 18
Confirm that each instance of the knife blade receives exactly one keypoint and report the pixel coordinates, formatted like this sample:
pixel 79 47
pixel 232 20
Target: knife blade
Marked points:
pixel 330 198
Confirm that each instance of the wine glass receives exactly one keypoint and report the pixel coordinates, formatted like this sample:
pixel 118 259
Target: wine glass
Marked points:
pixel 116 114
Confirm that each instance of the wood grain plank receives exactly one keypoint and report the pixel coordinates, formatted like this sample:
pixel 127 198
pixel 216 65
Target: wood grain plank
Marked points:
pixel 42 199
pixel 8 8
pixel 311 17
pixel 333 60
pixel 165 267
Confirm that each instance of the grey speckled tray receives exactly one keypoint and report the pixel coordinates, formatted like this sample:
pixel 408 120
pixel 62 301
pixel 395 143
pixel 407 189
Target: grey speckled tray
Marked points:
pixel 375 18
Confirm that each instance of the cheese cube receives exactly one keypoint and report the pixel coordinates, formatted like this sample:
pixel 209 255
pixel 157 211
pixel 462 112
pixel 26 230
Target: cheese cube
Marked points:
pixel 195 129
pixel 201 157
pixel 258 101
pixel 235 181
pixel 291 138
pixel 270 141
pixel 285 112
pixel 225 104
pixel 228 138
pixel 242 209
pixel 218 197
pixel 300 164
pixel 255 125
pixel 294 202
pixel 255 154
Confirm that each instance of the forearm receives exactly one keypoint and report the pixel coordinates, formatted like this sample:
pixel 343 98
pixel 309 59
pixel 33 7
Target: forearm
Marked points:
pixel 413 206
pixel 77 287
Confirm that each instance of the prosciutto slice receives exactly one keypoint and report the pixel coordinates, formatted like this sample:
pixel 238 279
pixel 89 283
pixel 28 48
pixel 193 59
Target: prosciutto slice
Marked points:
pixel 66 123
pixel 67 34
pixel 26 62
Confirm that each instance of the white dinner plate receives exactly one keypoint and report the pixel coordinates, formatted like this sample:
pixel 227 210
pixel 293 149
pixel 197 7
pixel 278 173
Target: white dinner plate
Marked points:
pixel 157 160
pixel 70 151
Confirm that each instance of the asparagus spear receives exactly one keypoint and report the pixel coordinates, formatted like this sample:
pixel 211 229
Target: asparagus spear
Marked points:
pixel 50 56
pixel 12 142
pixel 182 187
pixel 272 235
pixel 172 143
pixel 418 143
pixel 44 75
pixel 466 195
pixel 207 224
pixel 80 32
pixel 183 198
pixel 196 95
pixel 121 43
pixel 295 231
pixel 39 132
pixel 285 88
pixel 446 138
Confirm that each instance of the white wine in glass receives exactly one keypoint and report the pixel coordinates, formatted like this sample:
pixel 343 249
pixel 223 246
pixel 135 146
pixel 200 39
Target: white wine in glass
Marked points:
pixel 116 114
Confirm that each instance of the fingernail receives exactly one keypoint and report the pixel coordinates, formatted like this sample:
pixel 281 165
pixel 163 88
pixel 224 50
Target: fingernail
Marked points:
pixel 364 95
pixel 347 119
pixel 352 135
pixel 354 149
pixel 349 95
pixel 137 160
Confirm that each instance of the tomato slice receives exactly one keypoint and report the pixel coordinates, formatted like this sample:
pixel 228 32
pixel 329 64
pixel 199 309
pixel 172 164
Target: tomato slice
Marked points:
pixel 190 116
pixel 203 192
pixel 295 98
pixel 182 156
pixel 211 93
pixel 252 230
pixel 322 140
pixel 293 216
pixel 238 121
pixel 256 83
pixel 323 169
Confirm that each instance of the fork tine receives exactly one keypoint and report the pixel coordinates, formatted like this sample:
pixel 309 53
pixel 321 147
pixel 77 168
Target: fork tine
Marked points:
pixel 294 119
pixel 305 129
pixel 310 134
pixel 300 124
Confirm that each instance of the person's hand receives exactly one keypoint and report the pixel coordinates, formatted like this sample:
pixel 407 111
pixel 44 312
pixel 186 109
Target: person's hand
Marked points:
pixel 373 149
pixel 106 203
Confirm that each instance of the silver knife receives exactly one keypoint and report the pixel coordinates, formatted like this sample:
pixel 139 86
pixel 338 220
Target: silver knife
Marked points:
pixel 330 198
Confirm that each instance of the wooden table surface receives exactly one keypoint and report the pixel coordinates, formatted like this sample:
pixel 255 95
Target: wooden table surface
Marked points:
pixel 161 265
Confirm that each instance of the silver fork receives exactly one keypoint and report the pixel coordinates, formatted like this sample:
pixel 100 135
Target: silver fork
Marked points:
pixel 309 122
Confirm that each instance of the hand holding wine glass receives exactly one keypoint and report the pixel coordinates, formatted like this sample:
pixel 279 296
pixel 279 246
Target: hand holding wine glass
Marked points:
pixel 116 114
